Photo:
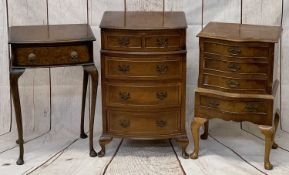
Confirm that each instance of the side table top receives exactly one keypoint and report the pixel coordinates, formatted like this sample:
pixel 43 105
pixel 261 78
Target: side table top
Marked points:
pixel 50 34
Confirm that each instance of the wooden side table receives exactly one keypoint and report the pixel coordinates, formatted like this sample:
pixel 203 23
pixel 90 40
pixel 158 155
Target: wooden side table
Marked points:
pixel 52 46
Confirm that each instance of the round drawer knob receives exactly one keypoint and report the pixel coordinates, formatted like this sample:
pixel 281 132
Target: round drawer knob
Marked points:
pixel 74 55
pixel 31 57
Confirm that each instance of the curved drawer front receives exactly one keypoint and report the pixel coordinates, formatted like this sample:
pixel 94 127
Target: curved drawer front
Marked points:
pixel 255 109
pixel 139 67
pixel 126 95
pixel 45 56
pixel 123 40
pixel 236 67
pixel 228 84
pixel 143 123
pixel 235 49
pixel 234 106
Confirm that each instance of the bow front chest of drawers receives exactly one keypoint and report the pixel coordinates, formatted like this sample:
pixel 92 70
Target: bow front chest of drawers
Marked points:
pixel 237 80
pixel 143 66
pixel 52 46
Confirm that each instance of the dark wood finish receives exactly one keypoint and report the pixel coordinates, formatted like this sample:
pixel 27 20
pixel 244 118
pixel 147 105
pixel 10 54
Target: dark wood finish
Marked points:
pixel 241 32
pixel 14 76
pixel 143 60
pixel 236 79
pixel 41 34
pixel 132 20
pixel 51 55
pixel 50 46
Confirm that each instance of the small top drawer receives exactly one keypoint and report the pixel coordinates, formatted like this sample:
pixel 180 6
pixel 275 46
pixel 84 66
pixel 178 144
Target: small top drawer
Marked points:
pixel 51 55
pixel 159 40
pixel 235 49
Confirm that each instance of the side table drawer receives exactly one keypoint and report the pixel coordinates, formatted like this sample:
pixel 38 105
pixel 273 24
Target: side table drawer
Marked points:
pixel 51 55
pixel 143 95
pixel 143 123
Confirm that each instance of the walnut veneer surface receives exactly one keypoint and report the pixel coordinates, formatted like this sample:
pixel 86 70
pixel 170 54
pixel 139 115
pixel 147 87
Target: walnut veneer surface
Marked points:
pixel 236 79
pixel 52 46
pixel 143 64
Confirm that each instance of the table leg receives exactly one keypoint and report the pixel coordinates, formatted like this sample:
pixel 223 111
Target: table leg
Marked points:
pixel 183 141
pixel 84 90
pixel 104 140
pixel 276 123
pixel 196 124
pixel 14 76
pixel 93 73
pixel 204 136
pixel 268 132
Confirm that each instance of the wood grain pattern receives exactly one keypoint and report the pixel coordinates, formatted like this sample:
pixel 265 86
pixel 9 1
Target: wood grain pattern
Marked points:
pixel 144 5
pixel 285 71
pixel 33 83
pixel 262 13
pixel 222 10
pixel 148 157
pixel 66 83
pixel 5 113
pixel 97 8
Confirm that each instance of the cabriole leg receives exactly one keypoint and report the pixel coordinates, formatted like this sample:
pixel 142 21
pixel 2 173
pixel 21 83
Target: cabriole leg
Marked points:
pixel 14 76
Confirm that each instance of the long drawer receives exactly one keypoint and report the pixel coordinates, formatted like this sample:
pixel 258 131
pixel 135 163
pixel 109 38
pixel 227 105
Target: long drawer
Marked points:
pixel 235 49
pixel 143 95
pixel 124 40
pixel 236 68
pixel 254 108
pixel 230 84
pixel 143 67
pixel 143 124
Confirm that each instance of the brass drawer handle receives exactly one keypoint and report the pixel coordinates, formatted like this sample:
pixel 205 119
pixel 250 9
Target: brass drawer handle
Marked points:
pixel 213 103
pixel 162 68
pixel 251 107
pixel 234 67
pixel 124 123
pixel 162 42
pixel 31 57
pixel 161 123
pixel 161 95
pixel 234 51
pixel 74 56
pixel 233 84
pixel 123 68
pixel 124 96
pixel 123 41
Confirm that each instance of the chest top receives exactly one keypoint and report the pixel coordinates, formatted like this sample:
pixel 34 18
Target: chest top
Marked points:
pixel 42 34
pixel 241 32
pixel 143 20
